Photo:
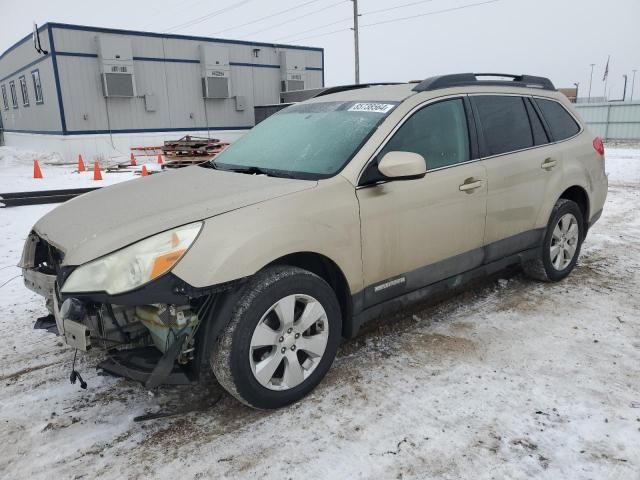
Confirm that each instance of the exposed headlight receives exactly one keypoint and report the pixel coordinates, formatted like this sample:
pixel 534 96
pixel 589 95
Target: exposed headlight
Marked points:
pixel 134 265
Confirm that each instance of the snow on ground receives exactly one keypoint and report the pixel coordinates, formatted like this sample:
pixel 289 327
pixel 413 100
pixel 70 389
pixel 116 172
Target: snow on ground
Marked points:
pixel 16 172
pixel 512 379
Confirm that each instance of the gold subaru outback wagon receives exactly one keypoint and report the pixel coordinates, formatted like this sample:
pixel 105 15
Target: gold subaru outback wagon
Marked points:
pixel 325 215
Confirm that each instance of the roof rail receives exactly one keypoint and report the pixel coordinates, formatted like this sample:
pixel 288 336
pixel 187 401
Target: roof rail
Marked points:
pixel 345 88
pixel 471 79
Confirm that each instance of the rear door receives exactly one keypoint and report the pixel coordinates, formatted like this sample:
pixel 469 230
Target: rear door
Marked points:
pixel 416 232
pixel 519 168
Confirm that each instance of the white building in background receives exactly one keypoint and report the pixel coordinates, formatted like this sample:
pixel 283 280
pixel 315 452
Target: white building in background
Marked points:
pixel 97 91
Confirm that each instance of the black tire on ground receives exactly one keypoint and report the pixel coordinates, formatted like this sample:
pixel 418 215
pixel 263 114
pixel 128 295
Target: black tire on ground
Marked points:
pixel 230 357
pixel 541 268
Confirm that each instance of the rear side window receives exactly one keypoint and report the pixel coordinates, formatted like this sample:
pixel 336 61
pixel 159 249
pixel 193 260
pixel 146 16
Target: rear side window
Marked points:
pixel 539 135
pixel 561 123
pixel 438 132
pixel 504 122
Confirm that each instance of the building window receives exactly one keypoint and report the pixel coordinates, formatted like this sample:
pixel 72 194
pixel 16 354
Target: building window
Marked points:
pixel 14 95
pixel 37 86
pixel 5 100
pixel 24 91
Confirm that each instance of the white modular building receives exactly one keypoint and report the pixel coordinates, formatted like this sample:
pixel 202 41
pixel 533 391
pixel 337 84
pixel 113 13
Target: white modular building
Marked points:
pixel 98 91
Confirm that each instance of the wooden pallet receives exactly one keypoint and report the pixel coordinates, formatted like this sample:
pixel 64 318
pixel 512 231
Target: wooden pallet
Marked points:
pixel 190 146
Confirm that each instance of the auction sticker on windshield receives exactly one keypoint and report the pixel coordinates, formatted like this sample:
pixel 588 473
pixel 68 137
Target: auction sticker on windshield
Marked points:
pixel 371 107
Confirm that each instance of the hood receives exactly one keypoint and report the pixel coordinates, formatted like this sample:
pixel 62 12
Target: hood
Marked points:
pixel 108 219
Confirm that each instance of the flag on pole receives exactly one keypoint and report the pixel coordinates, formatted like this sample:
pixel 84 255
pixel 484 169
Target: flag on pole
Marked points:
pixel 606 69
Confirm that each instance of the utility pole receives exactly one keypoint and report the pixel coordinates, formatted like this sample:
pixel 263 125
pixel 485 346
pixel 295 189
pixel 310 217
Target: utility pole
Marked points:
pixel 577 84
pixel 590 80
pixel 633 83
pixel 624 91
pixel 355 40
pixel 605 78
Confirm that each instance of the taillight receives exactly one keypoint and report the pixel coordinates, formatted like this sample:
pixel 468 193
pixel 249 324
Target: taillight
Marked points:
pixel 598 145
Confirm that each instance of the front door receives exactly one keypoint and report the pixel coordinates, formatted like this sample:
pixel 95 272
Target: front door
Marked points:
pixel 417 232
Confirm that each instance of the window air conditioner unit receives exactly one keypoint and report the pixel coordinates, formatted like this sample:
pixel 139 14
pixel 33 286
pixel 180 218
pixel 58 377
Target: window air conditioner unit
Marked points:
pixel 216 71
pixel 116 66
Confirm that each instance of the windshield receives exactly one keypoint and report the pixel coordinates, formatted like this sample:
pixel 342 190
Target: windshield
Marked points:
pixel 308 140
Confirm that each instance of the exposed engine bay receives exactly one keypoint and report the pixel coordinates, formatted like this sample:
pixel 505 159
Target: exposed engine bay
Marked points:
pixel 110 326
pixel 146 342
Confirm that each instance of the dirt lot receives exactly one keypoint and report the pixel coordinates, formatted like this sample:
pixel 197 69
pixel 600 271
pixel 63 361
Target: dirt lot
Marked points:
pixel 512 379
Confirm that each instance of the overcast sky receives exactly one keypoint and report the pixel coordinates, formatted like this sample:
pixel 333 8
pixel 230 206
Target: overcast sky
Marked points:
pixel 554 38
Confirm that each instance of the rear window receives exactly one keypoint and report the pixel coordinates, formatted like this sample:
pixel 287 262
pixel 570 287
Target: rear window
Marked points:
pixel 560 122
pixel 504 122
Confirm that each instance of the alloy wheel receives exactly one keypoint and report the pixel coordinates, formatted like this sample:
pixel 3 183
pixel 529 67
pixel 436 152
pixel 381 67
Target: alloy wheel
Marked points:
pixel 564 241
pixel 289 342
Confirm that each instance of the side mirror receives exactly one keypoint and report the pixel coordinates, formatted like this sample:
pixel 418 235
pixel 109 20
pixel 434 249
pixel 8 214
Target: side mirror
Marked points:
pixel 402 165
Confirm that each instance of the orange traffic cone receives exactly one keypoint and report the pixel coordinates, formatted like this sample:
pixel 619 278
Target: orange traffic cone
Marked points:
pixel 37 173
pixel 144 172
pixel 159 159
pixel 81 167
pixel 133 160
pixel 97 175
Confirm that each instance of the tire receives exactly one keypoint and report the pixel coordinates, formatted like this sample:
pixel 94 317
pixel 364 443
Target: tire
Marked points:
pixel 549 266
pixel 254 358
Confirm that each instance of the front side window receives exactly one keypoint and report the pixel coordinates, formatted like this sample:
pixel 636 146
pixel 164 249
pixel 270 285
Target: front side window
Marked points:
pixel 561 123
pixel 438 132
pixel 5 100
pixel 37 86
pixel 307 140
pixel 504 123
pixel 24 91
pixel 14 95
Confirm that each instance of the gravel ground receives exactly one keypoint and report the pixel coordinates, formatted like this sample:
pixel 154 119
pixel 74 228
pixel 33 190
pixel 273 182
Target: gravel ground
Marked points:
pixel 511 379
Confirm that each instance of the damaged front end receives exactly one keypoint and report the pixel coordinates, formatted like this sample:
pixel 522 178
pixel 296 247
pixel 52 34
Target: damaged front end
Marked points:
pixel 152 333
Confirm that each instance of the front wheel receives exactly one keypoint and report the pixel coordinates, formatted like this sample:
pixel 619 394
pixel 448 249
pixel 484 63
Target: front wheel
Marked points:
pixel 281 340
pixel 561 244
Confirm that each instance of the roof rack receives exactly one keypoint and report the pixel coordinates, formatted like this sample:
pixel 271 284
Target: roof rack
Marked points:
pixel 471 79
pixel 345 88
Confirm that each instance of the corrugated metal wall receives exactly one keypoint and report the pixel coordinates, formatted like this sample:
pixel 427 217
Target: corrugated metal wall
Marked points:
pixel 166 66
pixel 20 60
pixel 613 120
pixel 176 82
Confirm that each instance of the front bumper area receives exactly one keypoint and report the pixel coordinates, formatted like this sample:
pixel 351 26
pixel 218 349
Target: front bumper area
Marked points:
pixel 154 333
pixel 148 338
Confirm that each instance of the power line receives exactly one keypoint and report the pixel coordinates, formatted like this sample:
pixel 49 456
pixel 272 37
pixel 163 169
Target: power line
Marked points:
pixel 396 7
pixel 267 17
pixel 350 19
pixel 204 18
pixel 317 28
pixel 151 18
pixel 436 12
pixel 462 7
pixel 298 18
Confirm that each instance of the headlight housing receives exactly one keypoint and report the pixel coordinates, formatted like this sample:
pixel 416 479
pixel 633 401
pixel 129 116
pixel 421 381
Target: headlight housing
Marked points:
pixel 134 265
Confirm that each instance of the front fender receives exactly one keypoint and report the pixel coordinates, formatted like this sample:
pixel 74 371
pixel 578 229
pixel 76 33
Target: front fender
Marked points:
pixel 237 244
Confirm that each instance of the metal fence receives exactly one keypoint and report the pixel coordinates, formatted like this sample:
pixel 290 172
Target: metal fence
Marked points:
pixel 612 120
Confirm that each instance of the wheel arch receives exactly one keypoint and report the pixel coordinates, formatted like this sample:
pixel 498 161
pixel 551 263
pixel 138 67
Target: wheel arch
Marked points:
pixel 330 272
pixel 580 196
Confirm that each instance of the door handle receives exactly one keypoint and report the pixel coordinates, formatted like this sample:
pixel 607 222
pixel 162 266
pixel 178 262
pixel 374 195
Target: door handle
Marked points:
pixel 548 164
pixel 469 185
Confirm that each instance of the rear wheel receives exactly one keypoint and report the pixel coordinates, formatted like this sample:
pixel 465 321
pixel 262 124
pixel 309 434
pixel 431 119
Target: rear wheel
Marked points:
pixel 561 244
pixel 281 340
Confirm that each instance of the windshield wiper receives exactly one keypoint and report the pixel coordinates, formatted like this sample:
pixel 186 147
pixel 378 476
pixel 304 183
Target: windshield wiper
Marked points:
pixel 250 170
pixel 253 170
